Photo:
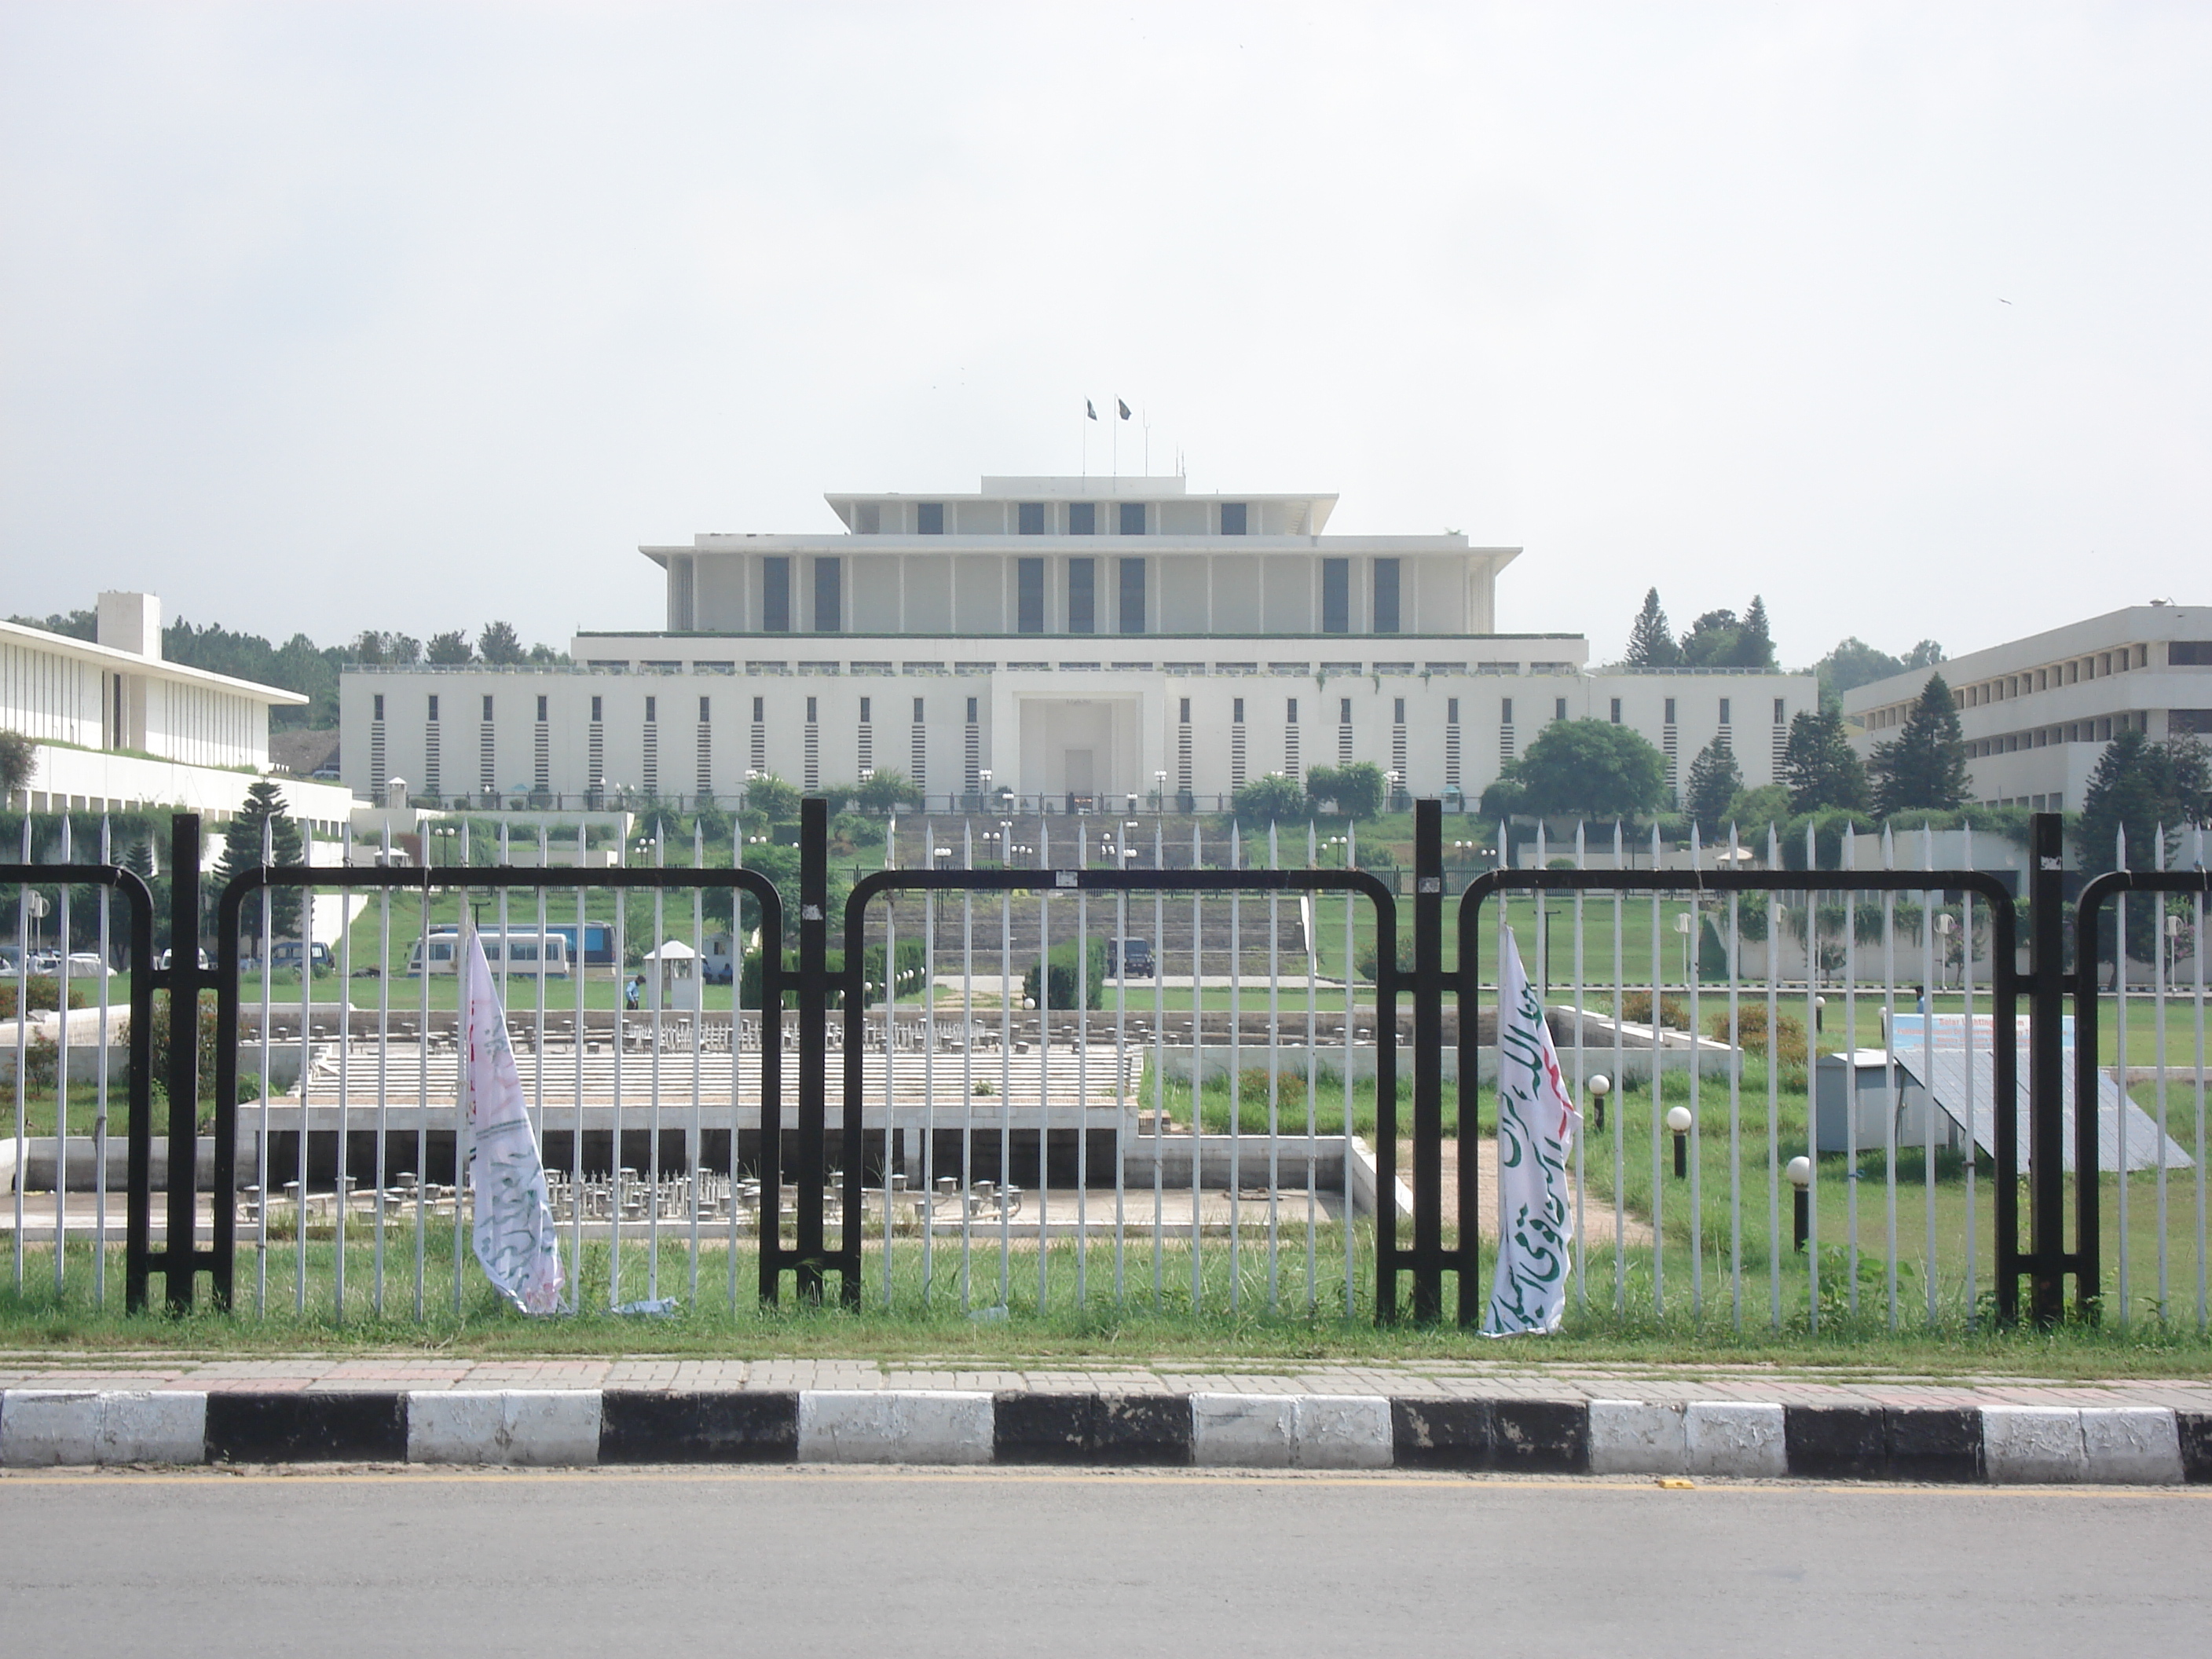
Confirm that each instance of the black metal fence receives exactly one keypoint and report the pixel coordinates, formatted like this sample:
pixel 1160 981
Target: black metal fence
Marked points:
pixel 953 1126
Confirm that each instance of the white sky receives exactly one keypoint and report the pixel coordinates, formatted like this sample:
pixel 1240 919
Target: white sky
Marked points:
pixel 325 317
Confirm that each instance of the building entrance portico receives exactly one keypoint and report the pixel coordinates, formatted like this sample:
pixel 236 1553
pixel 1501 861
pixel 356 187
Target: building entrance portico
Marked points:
pixel 1079 750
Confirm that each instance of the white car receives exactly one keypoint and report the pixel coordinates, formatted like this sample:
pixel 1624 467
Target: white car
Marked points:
pixel 86 965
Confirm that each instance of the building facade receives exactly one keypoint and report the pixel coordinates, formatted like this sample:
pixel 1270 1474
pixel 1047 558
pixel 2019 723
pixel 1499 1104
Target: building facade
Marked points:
pixel 2037 713
pixel 116 727
pixel 1072 643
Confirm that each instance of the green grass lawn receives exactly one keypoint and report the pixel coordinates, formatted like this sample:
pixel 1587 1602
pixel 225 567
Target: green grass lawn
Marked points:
pixel 936 1328
pixel 1737 1214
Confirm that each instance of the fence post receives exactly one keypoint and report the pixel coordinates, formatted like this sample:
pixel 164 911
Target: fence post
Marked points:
pixel 813 1039
pixel 138 1125
pixel 1428 1065
pixel 181 1063
pixel 2046 1079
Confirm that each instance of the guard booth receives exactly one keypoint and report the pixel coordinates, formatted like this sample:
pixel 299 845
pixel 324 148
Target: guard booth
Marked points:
pixel 677 976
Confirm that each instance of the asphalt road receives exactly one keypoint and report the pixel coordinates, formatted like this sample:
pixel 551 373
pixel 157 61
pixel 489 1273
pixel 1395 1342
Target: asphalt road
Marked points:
pixel 905 1563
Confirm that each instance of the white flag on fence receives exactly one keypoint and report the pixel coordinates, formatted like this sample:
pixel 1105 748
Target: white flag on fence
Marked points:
pixel 1536 1124
pixel 514 1234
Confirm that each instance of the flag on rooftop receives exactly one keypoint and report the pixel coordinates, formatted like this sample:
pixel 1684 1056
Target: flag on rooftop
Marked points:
pixel 1090 409
pixel 1536 1124
pixel 1125 408
pixel 514 1234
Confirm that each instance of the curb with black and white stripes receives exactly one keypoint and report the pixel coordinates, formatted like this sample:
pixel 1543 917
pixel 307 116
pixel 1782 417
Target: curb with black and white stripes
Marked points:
pixel 2123 1445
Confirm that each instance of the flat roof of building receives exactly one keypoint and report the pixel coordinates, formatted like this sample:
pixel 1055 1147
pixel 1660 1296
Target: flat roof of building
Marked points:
pixel 131 663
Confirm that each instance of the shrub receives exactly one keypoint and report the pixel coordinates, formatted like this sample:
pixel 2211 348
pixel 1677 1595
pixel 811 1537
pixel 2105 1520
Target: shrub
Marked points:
pixel 1063 983
pixel 1273 798
pixel 1356 790
pixel 1370 957
pixel 1673 1012
pixel 1751 1032
pixel 160 1030
pixel 44 992
pixel 1290 1086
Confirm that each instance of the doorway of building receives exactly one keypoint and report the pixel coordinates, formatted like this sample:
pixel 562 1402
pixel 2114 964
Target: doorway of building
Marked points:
pixel 1077 769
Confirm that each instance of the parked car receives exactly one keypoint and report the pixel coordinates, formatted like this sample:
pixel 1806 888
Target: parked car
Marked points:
pixel 285 953
pixel 164 961
pixel 88 964
pixel 1130 958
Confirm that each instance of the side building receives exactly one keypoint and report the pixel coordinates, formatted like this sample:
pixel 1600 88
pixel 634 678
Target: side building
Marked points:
pixel 114 727
pixel 2036 712
pixel 1073 644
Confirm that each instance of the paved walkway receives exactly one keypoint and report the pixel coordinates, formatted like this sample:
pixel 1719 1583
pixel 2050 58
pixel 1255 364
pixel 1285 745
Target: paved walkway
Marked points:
pixel 1470 1378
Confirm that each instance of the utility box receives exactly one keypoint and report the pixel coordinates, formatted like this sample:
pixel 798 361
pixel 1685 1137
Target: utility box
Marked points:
pixel 1853 1102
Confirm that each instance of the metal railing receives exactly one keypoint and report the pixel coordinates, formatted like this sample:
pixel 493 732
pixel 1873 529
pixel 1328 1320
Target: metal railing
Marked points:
pixel 975 1109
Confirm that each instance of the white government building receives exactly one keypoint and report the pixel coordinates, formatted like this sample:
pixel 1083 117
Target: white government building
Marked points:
pixel 1072 643
pixel 2037 713
pixel 115 727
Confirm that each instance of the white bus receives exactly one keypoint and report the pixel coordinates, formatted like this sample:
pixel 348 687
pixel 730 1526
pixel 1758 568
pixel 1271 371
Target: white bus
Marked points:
pixel 531 954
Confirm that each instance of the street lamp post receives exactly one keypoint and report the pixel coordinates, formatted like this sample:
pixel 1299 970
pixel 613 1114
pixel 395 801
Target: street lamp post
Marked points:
pixel 1801 1177
pixel 1600 1086
pixel 1678 1119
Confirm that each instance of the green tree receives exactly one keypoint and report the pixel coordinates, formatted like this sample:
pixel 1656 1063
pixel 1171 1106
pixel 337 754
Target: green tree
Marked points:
pixel 1651 644
pixel 500 644
pixel 1712 641
pixel 403 650
pixel 884 792
pixel 1754 646
pixel 1591 769
pixel 1821 767
pixel 17 760
pixel 1356 790
pixel 2141 788
pixel 72 624
pixel 781 866
pixel 242 852
pixel 1273 798
pixel 451 649
pixel 771 796
pixel 1507 797
pixel 2138 786
pixel 1925 765
pixel 1715 781
pixel 298 665
pixel 1855 663
pixel 1754 811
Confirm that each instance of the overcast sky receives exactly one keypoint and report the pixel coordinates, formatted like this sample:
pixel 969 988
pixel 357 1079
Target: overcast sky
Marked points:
pixel 323 317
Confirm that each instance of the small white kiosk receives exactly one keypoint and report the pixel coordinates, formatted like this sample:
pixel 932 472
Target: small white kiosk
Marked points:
pixel 676 967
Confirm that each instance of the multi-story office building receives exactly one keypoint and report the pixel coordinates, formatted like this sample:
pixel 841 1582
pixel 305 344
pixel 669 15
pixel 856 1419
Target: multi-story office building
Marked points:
pixel 2037 713
pixel 1068 641
pixel 114 727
